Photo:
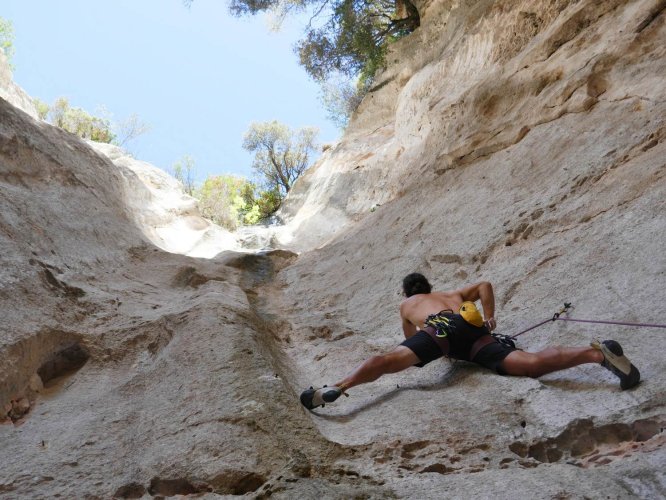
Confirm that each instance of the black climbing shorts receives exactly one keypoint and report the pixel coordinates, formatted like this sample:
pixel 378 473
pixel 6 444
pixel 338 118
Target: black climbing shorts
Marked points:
pixel 425 348
pixel 492 355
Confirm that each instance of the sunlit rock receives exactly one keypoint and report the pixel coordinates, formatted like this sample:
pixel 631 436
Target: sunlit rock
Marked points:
pixel 516 142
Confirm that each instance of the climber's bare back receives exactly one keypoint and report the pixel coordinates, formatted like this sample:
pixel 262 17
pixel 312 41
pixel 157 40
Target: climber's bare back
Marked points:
pixel 417 308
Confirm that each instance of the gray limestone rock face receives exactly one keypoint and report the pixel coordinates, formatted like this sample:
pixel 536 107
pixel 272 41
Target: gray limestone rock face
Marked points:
pixel 522 143
pixel 168 217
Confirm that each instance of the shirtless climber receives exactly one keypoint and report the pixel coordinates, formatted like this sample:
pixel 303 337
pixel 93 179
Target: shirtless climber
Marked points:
pixel 433 330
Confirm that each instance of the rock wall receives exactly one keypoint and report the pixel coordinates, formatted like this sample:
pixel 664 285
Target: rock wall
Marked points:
pixel 474 79
pixel 127 370
pixel 168 217
pixel 520 143
pixel 516 142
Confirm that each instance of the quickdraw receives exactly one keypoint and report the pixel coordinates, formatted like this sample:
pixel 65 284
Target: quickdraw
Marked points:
pixel 442 324
pixel 504 339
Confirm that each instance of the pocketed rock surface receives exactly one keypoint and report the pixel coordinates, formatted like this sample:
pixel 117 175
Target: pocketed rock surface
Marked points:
pixel 516 142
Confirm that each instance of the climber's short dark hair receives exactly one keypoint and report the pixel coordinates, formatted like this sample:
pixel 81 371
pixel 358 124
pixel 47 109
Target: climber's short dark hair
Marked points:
pixel 415 283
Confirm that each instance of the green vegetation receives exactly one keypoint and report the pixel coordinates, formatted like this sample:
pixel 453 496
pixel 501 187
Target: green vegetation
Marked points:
pixel 183 171
pixel 232 201
pixel 344 40
pixel 354 38
pixel 79 122
pixel 95 128
pixel 280 157
pixel 346 36
pixel 7 39
pixel 280 154
pixel 227 200
pixel 268 202
pixel 42 108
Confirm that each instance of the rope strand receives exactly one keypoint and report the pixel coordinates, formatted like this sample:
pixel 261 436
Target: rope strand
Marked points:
pixel 646 325
pixel 567 305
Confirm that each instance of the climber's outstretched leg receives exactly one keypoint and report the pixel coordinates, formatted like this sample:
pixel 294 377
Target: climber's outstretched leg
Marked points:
pixel 397 360
pixel 529 364
pixel 608 354
pixel 551 359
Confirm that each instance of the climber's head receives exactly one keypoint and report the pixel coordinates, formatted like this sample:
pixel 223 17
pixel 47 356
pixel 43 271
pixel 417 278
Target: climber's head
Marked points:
pixel 414 284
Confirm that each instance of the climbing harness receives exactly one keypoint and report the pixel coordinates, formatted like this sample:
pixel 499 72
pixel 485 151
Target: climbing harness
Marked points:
pixel 565 309
pixel 507 340
pixel 440 323
pixel 443 325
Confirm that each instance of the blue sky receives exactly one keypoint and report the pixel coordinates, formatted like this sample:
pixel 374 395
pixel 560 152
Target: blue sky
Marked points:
pixel 198 76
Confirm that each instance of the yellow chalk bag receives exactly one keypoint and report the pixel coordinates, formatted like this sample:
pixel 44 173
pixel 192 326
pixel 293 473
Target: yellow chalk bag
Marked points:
pixel 471 314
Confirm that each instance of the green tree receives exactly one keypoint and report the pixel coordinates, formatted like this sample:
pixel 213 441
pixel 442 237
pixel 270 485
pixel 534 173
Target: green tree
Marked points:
pixel 42 108
pixel 94 127
pixel 183 171
pixel 345 38
pixel 340 97
pixel 79 122
pixel 7 39
pixel 353 40
pixel 267 202
pixel 228 201
pixel 280 154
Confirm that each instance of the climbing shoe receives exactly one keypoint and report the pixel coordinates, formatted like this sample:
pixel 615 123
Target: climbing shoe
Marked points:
pixel 617 362
pixel 312 398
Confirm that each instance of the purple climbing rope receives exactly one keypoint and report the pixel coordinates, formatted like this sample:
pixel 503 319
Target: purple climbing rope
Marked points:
pixel 532 328
pixel 647 325
pixel 567 306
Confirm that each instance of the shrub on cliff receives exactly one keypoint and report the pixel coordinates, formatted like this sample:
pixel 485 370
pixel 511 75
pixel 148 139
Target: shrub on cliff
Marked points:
pixel 80 122
pixel 221 199
pixel 183 171
pixel 98 128
pixel 7 39
pixel 232 201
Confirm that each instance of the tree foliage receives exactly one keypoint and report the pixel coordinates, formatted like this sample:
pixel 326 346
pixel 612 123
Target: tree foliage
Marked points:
pixel 80 122
pixel 232 201
pixel 183 171
pixel 354 39
pixel 340 97
pixel 129 129
pixel 347 38
pixel 97 127
pixel 42 108
pixel 222 199
pixel 280 154
pixel 7 39
pixel 267 202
